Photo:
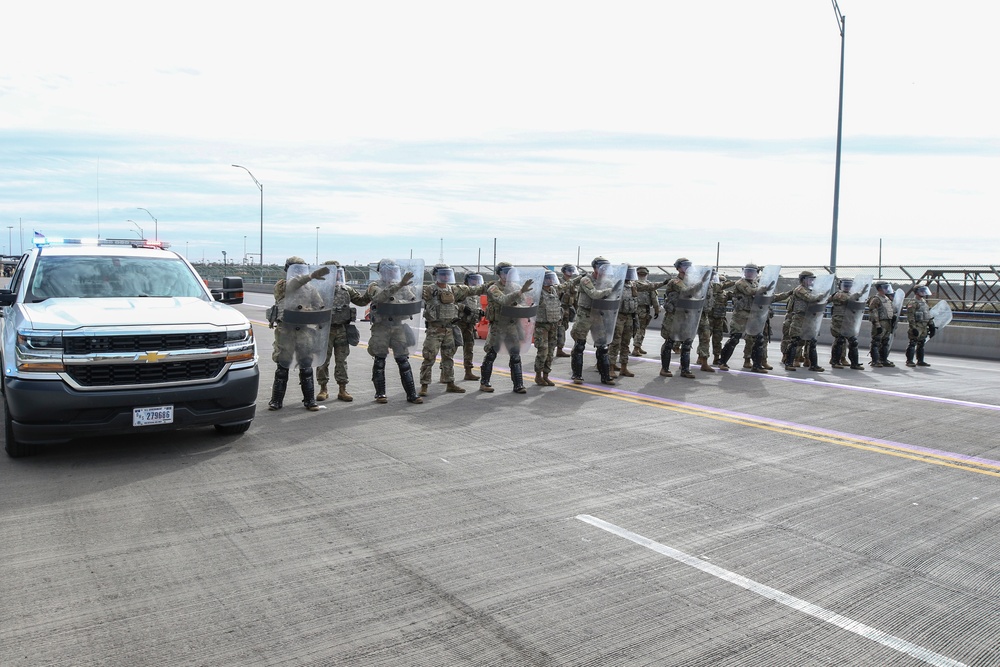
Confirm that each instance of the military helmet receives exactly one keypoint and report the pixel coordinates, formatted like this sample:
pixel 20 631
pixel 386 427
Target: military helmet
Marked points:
pixel 331 262
pixel 502 267
pixel 294 259
pixel 642 271
pixel 631 274
pixel 806 274
pixel 568 270
pixel 846 283
pixel 682 261
pixel 598 260
pixel 443 274
pixel 473 279
pixel 883 284
pixel 922 290
pixel 438 267
pixel 750 266
pixel 385 261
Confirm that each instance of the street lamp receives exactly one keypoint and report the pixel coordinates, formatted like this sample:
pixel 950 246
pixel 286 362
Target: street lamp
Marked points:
pixel 842 27
pixel 142 234
pixel 260 186
pixel 156 225
pixel 317 245
pixel 10 242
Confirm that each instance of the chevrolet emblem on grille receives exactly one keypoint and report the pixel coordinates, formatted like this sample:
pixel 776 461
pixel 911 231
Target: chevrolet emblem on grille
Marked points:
pixel 151 357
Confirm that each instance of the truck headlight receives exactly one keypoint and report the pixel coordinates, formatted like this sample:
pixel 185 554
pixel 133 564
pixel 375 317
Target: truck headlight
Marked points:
pixel 239 345
pixel 39 351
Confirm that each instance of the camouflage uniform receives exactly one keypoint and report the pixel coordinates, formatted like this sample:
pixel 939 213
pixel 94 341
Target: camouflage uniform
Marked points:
pixel 626 326
pixel 718 298
pixel 441 313
pixel 882 315
pixel 801 301
pixel 470 312
pixel 649 309
pixel 920 326
pixel 589 292
pixel 389 332
pixel 743 292
pixel 338 348
pixel 675 291
pixel 569 298
pixel 504 331
pixel 548 323
pixel 843 341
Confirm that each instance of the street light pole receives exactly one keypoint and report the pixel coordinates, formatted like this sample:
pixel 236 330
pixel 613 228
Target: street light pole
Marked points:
pixel 842 27
pixel 260 186
pixel 156 225
pixel 317 245
pixel 10 239
pixel 142 234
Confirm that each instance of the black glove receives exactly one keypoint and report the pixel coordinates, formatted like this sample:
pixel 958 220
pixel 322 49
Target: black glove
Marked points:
pixel 572 314
pixel 635 322
pixel 931 330
pixel 914 333
pixel 878 331
pixel 892 323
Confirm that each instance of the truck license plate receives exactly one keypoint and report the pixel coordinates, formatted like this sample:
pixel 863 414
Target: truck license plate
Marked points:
pixel 163 414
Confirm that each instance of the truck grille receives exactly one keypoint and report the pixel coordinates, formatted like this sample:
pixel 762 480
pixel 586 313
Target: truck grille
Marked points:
pixel 144 342
pixel 113 375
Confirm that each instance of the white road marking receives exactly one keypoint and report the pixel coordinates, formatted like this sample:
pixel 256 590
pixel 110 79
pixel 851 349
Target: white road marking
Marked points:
pixel 822 614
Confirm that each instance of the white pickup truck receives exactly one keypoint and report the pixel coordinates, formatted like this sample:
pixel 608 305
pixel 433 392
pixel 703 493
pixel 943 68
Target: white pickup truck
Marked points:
pixel 120 338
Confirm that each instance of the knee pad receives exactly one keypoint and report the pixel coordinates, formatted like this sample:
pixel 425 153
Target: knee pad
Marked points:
pixel 579 345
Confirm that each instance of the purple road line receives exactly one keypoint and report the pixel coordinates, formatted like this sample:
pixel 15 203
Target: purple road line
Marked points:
pixel 813 429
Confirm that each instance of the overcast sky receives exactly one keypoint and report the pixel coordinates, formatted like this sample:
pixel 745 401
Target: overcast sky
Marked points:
pixel 640 131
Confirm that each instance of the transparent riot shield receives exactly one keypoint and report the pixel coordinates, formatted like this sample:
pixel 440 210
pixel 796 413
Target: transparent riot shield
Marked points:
pixel 761 306
pixel 897 301
pixel 941 314
pixel 604 312
pixel 690 303
pixel 397 312
pixel 814 311
pixel 516 322
pixel 854 309
pixel 308 307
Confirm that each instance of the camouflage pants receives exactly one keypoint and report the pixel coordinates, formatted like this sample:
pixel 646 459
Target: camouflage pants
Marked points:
pixel 917 332
pixel 589 323
pixel 295 344
pixel 880 339
pixel 563 328
pixel 704 335
pixel 546 336
pixel 385 336
pixel 645 317
pixel 504 336
pixel 338 350
pixel 468 330
pixel 720 330
pixel 438 338
pixel 624 330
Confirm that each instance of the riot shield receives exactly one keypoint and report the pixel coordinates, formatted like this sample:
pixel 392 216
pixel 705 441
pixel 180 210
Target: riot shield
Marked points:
pixel 604 312
pixel 813 316
pixel 897 301
pixel 516 322
pixel 688 307
pixel 941 314
pixel 308 307
pixel 854 309
pixel 401 313
pixel 761 306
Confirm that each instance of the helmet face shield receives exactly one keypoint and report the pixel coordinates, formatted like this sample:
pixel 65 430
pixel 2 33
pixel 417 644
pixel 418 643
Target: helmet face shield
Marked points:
pixel 808 281
pixel 630 274
pixel 569 271
pixel 550 279
pixel 508 274
pixel 923 290
pixel 341 278
pixel 444 276
pixel 750 272
pixel 602 270
pixel 846 284
pixel 389 273
pixel 473 279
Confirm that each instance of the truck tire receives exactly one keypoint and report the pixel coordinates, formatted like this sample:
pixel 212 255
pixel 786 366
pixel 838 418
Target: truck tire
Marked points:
pixel 233 429
pixel 14 448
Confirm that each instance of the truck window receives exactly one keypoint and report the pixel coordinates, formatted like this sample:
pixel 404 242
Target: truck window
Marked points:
pixel 60 276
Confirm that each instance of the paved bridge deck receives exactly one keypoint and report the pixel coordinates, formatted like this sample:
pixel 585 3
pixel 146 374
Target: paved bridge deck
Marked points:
pixel 841 518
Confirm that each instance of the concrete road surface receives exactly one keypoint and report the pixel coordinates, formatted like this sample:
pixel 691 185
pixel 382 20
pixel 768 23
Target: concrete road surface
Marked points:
pixel 840 518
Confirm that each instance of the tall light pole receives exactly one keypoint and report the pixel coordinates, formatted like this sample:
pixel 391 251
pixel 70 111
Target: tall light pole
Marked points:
pixel 142 234
pixel 317 245
pixel 156 225
pixel 261 187
pixel 842 27
pixel 10 239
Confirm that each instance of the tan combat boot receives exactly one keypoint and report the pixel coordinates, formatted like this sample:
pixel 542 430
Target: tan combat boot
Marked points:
pixel 547 381
pixel 469 375
pixel 636 352
pixel 538 380
pixel 454 389
pixel 342 395
pixel 704 365
pixel 625 372
pixel 323 393
pixel 423 390
pixel 561 353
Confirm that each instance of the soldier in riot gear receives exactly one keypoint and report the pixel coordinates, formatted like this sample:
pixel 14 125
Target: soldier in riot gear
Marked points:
pixel 806 307
pixel 303 318
pixel 845 321
pixel 742 294
pixel 716 309
pixel 683 301
pixel 339 347
pixel 442 301
pixel 649 308
pixel 882 315
pixel 596 316
pixel 920 326
pixel 547 325
pixel 626 325
pixel 569 297
pixel 470 312
pixel 504 298
pixel 394 299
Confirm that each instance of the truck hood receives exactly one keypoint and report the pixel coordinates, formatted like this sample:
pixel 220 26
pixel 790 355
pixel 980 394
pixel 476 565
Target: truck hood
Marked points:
pixel 141 312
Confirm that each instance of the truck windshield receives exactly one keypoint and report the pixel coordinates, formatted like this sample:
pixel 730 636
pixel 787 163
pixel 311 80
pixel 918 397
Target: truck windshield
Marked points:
pixel 107 276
